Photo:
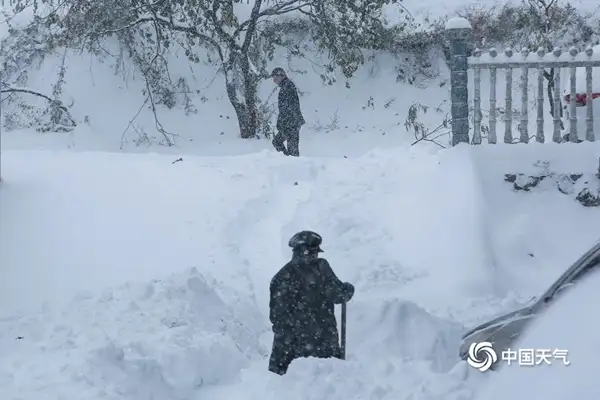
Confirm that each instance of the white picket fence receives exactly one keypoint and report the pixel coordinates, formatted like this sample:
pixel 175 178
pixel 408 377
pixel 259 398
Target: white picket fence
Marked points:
pixel 574 62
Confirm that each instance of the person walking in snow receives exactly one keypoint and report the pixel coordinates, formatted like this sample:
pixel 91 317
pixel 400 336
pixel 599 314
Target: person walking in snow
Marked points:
pixel 289 119
pixel 303 294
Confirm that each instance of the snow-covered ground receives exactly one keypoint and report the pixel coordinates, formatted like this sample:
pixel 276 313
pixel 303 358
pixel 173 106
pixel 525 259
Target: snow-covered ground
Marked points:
pixel 131 271
pixel 104 93
pixel 371 113
pixel 155 274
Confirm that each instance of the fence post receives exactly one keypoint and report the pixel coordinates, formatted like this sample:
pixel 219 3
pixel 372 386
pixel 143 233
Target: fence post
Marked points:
pixel 458 31
pixel 1 75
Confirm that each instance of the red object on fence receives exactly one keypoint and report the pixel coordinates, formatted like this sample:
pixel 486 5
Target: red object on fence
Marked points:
pixel 580 99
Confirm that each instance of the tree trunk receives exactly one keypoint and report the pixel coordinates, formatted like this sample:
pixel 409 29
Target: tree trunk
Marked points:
pixel 250 89
pixel 240 111
pixel 249 77
pixel 246 108
pixel 550 78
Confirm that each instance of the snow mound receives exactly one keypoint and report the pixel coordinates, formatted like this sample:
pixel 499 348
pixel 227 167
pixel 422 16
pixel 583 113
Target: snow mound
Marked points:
pixel 434 243
pixel 164 339
pixel 206 333
pixel 565 326
pixel 538 233
pixel 406 331
pixel 314 379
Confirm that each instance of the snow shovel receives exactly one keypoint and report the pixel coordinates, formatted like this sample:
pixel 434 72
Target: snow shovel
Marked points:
pixel 343 333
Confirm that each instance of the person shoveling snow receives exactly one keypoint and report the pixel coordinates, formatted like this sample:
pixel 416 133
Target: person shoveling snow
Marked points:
pixel 303 294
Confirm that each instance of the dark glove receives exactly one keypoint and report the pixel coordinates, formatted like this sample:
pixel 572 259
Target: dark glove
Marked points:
pixel 348 291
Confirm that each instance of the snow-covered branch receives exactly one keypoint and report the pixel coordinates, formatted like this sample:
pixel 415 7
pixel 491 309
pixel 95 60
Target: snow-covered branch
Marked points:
pixel 54 102
pixel 277 9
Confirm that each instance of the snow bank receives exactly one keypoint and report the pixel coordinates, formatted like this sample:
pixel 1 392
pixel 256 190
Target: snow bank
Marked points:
pixel 566 325
pixel 427 238
pixel 313 379
pixel 536 234
pixel 96 220
pixel 163 339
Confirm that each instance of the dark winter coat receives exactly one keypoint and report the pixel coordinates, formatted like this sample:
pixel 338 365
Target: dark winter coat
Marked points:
pixel 290 116
pixel 302 312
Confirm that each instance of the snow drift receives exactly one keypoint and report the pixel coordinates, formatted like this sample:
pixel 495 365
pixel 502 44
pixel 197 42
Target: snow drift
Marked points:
pixel 198 240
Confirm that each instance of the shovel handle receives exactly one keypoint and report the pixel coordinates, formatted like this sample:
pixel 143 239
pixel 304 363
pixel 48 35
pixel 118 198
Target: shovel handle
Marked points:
pixel 343 333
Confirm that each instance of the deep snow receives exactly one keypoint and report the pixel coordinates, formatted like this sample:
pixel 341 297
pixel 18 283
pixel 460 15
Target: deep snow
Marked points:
pixel 156 274
pixel 558 328
pixel 104 94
